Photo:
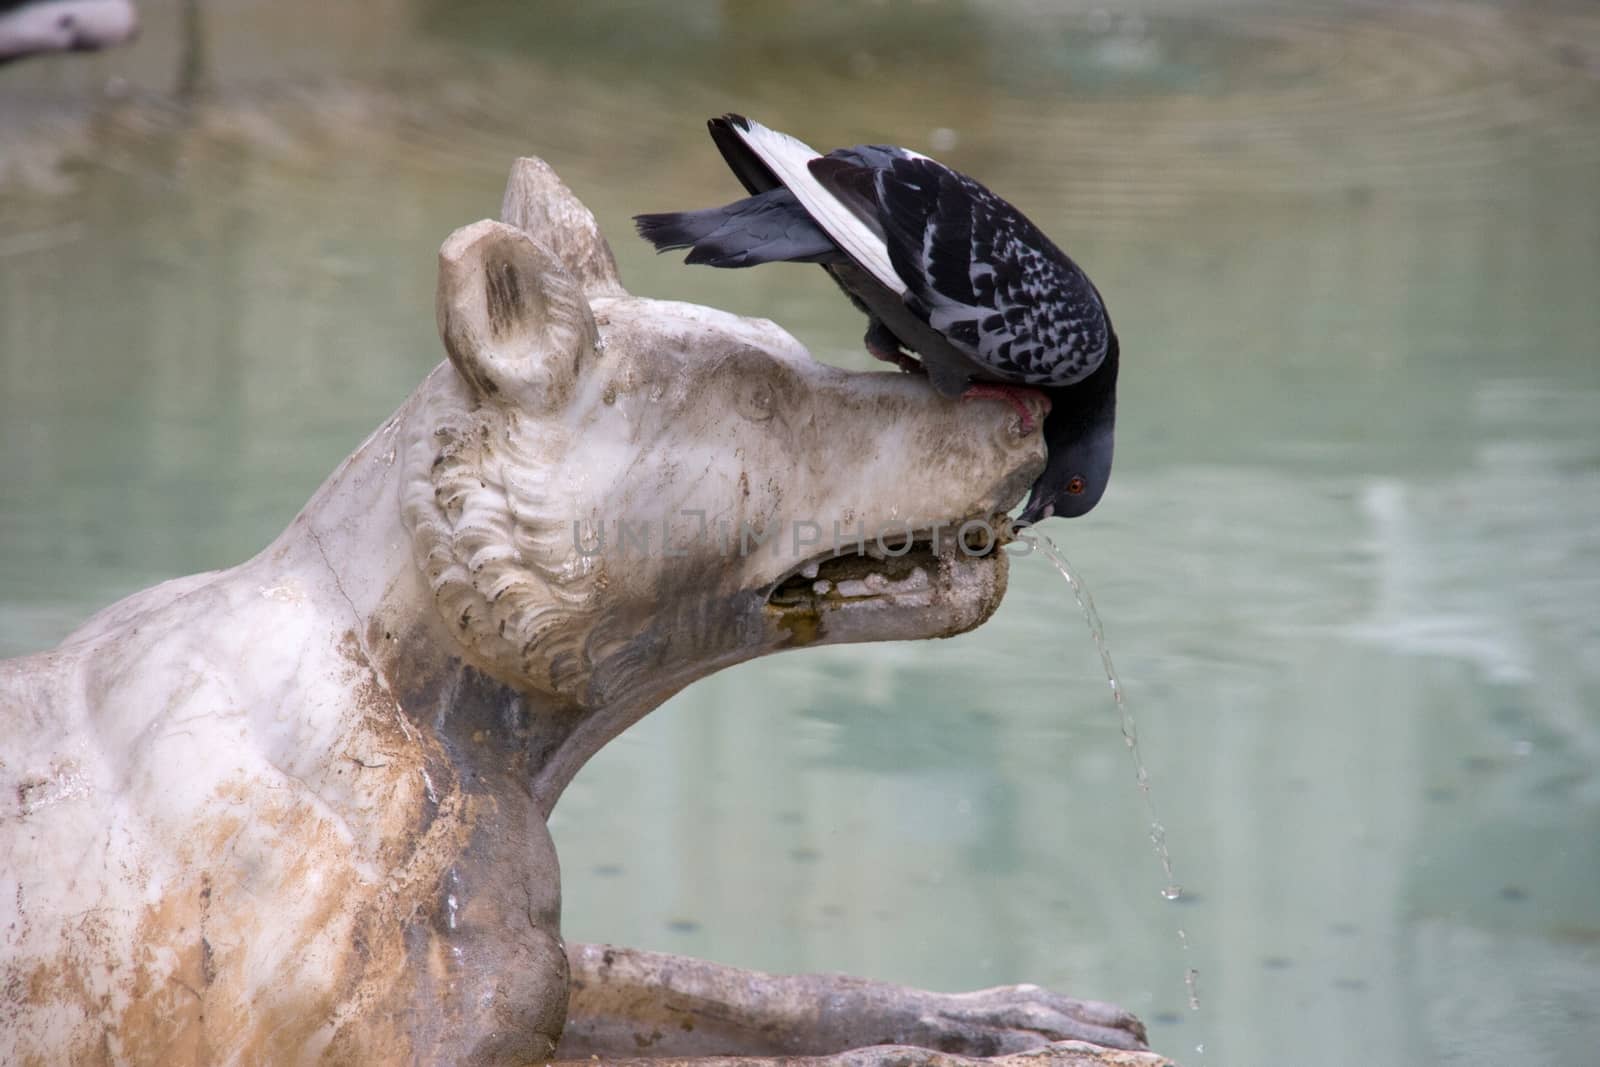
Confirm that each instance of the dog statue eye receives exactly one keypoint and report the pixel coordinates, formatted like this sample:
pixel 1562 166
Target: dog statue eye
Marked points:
pixel 758 402
pixel 1077 485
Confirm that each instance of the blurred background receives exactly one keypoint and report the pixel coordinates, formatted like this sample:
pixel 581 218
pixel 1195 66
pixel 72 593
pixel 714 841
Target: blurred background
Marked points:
pixel 1349 564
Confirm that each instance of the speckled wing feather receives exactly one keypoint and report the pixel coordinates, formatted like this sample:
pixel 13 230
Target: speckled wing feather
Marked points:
pixel 984 276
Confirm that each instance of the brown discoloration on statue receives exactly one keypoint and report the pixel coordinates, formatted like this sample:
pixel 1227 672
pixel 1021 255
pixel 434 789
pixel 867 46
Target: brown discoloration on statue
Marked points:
pixel 505 298
pixel 295 812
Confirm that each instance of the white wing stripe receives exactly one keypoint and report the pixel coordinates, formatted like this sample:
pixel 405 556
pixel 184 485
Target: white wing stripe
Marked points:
pixel 788 159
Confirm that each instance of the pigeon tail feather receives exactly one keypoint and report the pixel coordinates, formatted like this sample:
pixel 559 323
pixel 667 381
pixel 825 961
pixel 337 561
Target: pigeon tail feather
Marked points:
pixel 789 161
pixel 768 228
pixel 676 229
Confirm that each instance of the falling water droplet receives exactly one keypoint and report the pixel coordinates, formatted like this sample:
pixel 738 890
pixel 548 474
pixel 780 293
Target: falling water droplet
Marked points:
pixel 1130 730
pixel 1130 734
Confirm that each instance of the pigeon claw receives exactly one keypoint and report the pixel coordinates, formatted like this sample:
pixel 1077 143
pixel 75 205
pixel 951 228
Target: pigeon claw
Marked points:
pixel 1015 395
pixel 881 344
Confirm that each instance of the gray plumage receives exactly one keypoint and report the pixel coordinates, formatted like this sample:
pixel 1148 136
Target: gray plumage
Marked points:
pixel 769 228
pixel 984 276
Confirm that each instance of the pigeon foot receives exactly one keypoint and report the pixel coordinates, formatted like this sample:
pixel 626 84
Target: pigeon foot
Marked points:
pixel 1015 395
pixel 881 344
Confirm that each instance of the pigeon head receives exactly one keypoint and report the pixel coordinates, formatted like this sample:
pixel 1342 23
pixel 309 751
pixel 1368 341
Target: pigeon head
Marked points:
pixel 1078 434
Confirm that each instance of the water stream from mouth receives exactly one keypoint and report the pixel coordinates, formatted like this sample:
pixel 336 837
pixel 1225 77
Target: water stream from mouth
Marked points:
pixel 1171 890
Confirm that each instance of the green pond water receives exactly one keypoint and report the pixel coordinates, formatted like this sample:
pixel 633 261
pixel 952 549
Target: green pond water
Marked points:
pixel 1349 564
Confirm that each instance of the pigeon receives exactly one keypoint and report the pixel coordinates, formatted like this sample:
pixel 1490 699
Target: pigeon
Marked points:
pixel 30 27
pixel 954 281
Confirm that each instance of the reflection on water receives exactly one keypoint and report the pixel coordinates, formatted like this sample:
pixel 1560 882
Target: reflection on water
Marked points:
pixel 1349 564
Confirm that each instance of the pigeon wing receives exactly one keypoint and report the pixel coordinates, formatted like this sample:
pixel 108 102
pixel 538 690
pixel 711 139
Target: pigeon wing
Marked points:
pixel 987 279
pixel 789 162
pixel 746 165
pixel 854 186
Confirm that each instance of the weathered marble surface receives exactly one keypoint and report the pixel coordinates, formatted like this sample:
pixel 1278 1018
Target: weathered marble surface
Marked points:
pixel 294 811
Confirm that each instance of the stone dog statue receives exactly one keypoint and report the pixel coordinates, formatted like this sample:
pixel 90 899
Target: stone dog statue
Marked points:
pixel 294 812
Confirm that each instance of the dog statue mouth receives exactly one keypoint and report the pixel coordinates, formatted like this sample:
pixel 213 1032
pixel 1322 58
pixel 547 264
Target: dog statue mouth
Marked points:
pixel 940 580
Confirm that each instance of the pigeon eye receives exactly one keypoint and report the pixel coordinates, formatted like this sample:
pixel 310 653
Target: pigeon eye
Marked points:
pixel 1077 485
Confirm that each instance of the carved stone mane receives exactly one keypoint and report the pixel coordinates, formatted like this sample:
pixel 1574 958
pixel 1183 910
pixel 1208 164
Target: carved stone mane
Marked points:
pixel 494 545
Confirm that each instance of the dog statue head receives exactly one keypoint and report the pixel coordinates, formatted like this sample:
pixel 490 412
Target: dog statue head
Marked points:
pixel 619 489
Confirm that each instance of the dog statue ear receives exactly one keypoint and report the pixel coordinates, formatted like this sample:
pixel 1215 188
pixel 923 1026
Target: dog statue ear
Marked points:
pixel 514 321
pixel 539 203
